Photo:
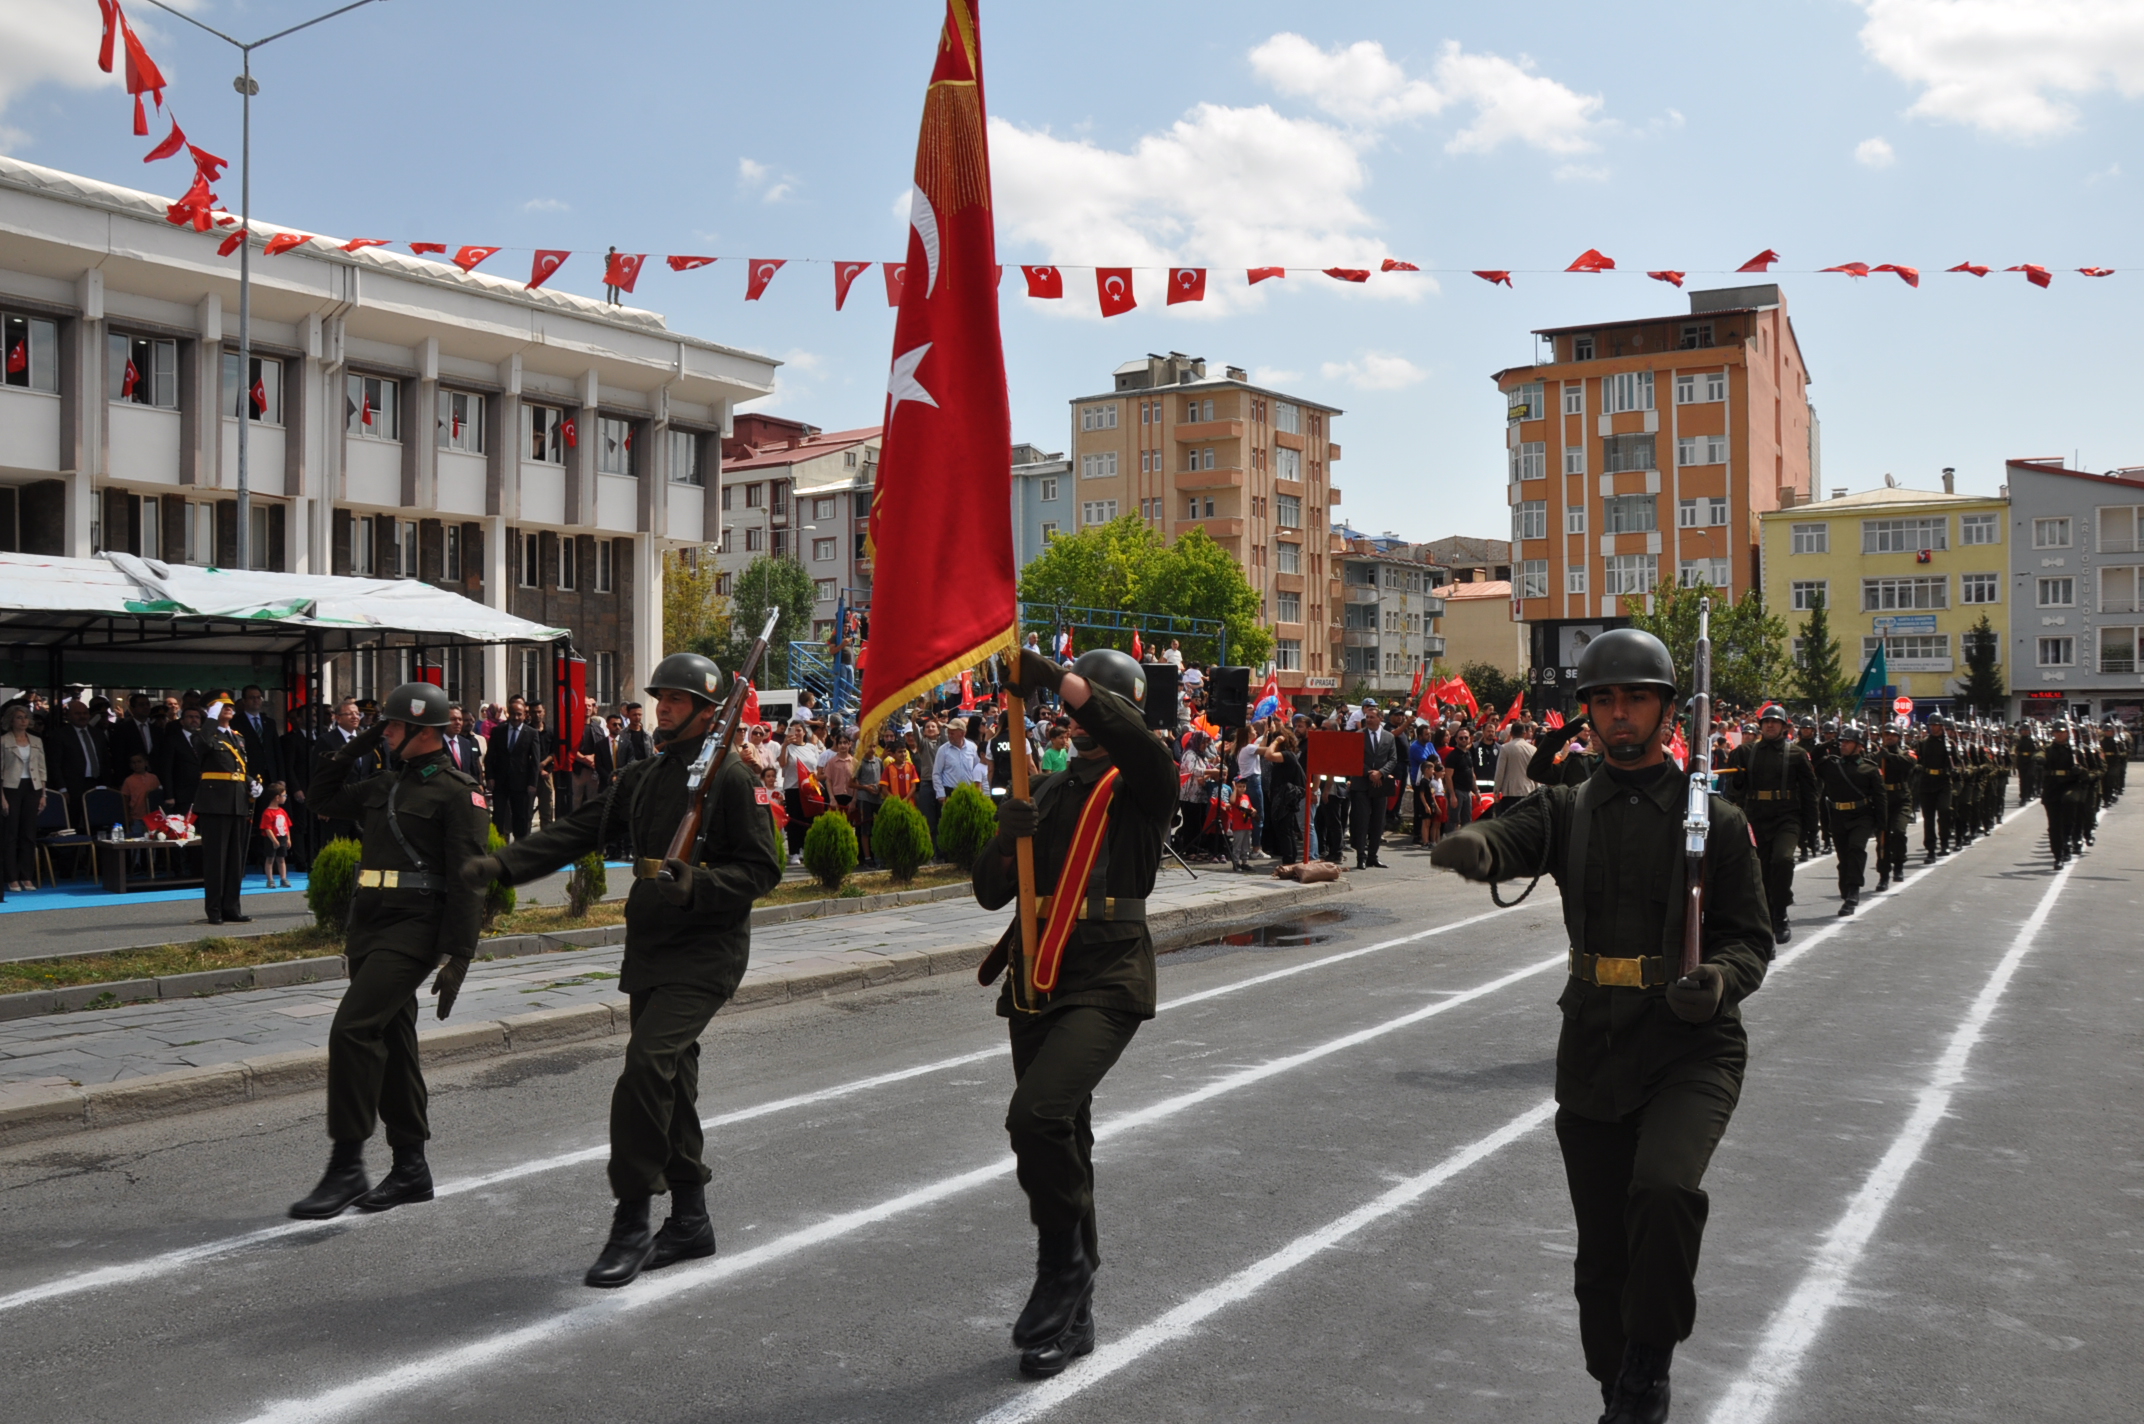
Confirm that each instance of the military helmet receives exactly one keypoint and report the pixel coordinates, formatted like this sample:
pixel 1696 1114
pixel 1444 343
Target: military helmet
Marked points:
pixel 1106 667
pixel 421 704
pixel 1771 712
pixel 686 672
pixel 1937 722
pixel 1623 657
pixel 1805 723
pixel 1851 732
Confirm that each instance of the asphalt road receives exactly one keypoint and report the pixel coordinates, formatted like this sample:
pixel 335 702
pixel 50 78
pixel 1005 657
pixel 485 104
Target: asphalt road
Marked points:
pixel 1327 1192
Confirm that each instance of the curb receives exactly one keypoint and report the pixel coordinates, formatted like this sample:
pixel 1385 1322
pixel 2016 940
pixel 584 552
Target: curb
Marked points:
pixel 51 1112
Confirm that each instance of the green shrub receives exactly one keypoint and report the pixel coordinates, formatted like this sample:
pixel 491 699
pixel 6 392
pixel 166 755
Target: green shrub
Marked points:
pixel 500 898
pixel 901 839
pixel 329 883
pixel 830 849
pixel 966 823
pixel 588 884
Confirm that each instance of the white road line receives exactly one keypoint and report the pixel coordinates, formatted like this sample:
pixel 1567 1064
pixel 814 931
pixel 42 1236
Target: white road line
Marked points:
pixel 165 1263
pixel 1795 1328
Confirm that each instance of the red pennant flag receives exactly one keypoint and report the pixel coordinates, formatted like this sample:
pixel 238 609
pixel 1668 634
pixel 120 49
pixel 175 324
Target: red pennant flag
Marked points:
pixel 1679 749
pixel 1495 278
pixel 1591 260
pixel 1259 274
pixel 1911 276
pixel 143 77
pixel 845 275
pixel 1114 286
pixel 686 264
pixel 466 258
pixel 1973 267
pixel 1045 282
pixel 622 269
pixel 282 242
pixel 943 500
pixel 130 379
pixel 18 356
pixel 571 431
pixel 230 244
pixel 2034 273
pixel 1137 650
pixel 1554 719
pixel 1348 274
pixel 111 33
pixel 1457 691
pixel 1851 269
pixel 896 274
pixel 548 260
pixel 749 716
pixel 260 396
pixel 196 208
pixel 1414 693
pixel 1518 705
pixel 2097 271
pixel 1762 262
pixel 207 164
pixel 357 242
pixel 428 247
pixel 1187 284
pixel 1672 278
pixel 364 416
pixel 763 270
pixel 967 690
pixel 1391 264
pixel 456 423
pixel 173 142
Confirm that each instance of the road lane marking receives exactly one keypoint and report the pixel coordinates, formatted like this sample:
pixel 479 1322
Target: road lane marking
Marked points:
pixel 1795 1328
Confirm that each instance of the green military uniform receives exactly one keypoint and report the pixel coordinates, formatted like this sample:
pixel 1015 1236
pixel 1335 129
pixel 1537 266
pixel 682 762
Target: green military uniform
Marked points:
pixel 2115 747
pixel 1859 808
pixel 409 911
pixel 683 961
pixel 1897 770
pixel 1935 785
pixel 1545 768
pixel 1774 784
pixel 223 816
pixel 2031 769
pixel 1643 1096
pixel 2088 797
pixel 2062 784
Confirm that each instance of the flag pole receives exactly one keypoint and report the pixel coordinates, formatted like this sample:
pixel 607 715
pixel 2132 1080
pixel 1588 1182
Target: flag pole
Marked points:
pixel 1024 847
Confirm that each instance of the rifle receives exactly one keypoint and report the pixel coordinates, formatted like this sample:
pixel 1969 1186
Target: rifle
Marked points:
pixel 691 836
pixel 1697 821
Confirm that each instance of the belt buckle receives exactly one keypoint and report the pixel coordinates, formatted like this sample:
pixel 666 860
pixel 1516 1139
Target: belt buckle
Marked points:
pixel 1619 973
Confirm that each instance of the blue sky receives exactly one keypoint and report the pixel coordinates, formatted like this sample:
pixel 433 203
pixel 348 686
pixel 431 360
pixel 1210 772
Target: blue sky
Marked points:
pixel 1925 132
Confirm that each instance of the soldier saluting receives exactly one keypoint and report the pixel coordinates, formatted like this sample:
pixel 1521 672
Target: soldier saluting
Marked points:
pixel 1859 809
pixel 408 913
pixel 688 933
pixel 1098 829
pixel 1773 780
pixel 1649 1065
pixel 223 814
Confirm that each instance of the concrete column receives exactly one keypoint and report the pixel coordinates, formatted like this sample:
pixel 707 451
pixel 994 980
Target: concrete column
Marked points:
pixel 95 409
pixel 646 639
pixel 495 576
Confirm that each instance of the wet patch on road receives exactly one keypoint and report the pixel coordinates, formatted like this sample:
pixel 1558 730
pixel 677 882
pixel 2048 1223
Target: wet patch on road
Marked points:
pixel 1317 927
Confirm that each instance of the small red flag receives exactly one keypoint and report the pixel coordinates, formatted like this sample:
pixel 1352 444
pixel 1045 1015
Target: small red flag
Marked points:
pixel 1114 286
pixel 18 356
pixel 763 270
pixel 967 690
pixel 196 208
pixel 548 260
pixel 2097 271
pixel 1591 260
pixel 1495 278
pixel 143 77
pixel 1671 277
pixel 364 415
pixel 1762 262
pixel 1045 282
pixel 130 380
pixel 1187 284
pixel 1348 274
pixel 1415 692
pixel 1679 749
pixel 2034 273
pixel 571 431
pixel 749 716
pixel 1137 650
pixel 686 264
pixel 457 423
pixel 1554 718
pixel 1973 267
pixel 1911 276
pixel 622 269
pixel 896 274
pixel 282 242
pixel 1259 274
pixel 1851 269
pixel 111 33
pixel 1518 705
pixel 428 247
pixel 357 242
pixel 260 396
pixel 466 258
pixel 173 142
pixel 207 164
pixel 230 244
pixel 845 275
pixel 1393 264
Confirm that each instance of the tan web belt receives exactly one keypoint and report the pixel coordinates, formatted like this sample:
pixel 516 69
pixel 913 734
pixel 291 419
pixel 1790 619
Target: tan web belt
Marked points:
pixel 399 880
pixel 1121 910
pixel 1768 795
pixel 223 776
pixel 1620 973
pixel 1848 805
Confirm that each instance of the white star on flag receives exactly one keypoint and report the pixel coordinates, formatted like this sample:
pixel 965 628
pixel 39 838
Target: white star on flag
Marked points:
pixel 903 385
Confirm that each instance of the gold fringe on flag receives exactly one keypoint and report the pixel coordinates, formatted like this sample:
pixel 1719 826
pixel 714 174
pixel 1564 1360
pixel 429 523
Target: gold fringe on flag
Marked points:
pixel 952 160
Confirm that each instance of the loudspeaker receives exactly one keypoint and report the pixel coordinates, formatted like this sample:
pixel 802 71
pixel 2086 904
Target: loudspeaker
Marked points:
pixel 1161 690
pixel 1228 696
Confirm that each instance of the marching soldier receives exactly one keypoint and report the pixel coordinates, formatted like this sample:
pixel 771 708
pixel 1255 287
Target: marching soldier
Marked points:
pixel 1649 1066
pixel 1935 771
pixel 1805 738
pixel 1098 829
pixel 1774 782
pixel 1897 770
pixel 2115 745
pixel 2031 764
pixel 2061 782
pixel 408 913
pixel 686 941
pixel 1855 800
pixel 223 814
pixel 2095 773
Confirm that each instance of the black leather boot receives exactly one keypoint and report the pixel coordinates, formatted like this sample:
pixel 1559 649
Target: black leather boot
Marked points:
pixel 1641 1390
pixel 343 1183
pixel 410 1180
pixel 1051 1357
pixel 1064 1281
pixel 688 1235
pixel 626 1253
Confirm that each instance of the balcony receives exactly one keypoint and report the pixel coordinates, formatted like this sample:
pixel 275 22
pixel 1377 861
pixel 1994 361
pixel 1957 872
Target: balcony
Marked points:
pixel 1432 606
pixel 1360 637
pixel 1200 432
pixel 1362 593
pixel 1332 496
pixel 1210 479
pixel 1332 451
pixel 1217 528
pixel 1432 646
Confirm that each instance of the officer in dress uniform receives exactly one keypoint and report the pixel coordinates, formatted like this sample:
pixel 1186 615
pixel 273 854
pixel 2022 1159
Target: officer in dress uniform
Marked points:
pixel 1649 1066
pixel 1098 829
pixel 688 933
pixel 409 913
pixel 1935 772
pixel 1773 781
pixel 1897 769
pixel 2060 783
pixel 223 806
pixel 1858 808
pixel 1547 768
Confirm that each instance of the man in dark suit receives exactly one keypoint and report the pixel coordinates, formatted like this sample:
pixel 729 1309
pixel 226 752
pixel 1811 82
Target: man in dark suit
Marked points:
pixel 79 757
pixel 296 752
pixel 134 734
pixel 633 743
pixel 178 760
pixel 340 734
pixel 256 724
pixel 463 751
pixel 510 766
pixel 1370 792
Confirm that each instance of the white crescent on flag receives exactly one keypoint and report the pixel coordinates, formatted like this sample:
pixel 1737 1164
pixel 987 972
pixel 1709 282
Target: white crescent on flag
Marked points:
pixel 766 272
pixel 1186 277
pixel 924 219
pixel 1114 286
pixel 549 264
pixel 850 269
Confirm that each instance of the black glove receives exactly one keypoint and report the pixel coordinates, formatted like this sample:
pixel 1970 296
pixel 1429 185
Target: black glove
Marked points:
pixel 364 742
pixel 1036 674
pixel 478 871
pixel 448 984
pixel 1016 818
pixel 1467 852
pixel 1695 998
pixel 1553 739
pixel 675 883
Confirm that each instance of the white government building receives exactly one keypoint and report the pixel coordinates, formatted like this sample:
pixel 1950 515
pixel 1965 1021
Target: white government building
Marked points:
pixel 120 401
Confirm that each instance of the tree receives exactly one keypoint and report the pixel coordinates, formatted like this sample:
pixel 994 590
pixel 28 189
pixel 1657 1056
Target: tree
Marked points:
pixel 1822 676
pixel 768 582
pixel 1126 567
pixel 1748 640
pixel 696 619
pixel 1982 686
pixel 1197 577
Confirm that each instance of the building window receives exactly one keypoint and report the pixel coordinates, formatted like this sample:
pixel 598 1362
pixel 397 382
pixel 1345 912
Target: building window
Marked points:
pixel 1097 511
pixel 543 435
pixel 450 560
pixel 31 348
pixel 201 534
pixel 1049 530
pixel 1288 511
pixel 2117 529
pixel 1629 574
pixel 822 508
pixel 2050 533
pixel 1529 519
pixel 755 539
pixel 1288 557
pixel 1574 459
pixel 1581 348
pixel 726 496
pixel 2117 587
pixel 1291 608
pixel 265 404
pixel 569 551
pixel 1701 513
pixel 1574 519
pixel 1904 536
pixel 1046 489
pixel 1805 594
pixel 822 551
pixel 2117 650
pixel 1523 402
pixel 1980 588
pixel 685 459
pixel 1533 578
pixel 1574 397
pixel 1098 417
pixel 606 565
pixel 1885 595
pixel 2057 652
pixel 1288 654
pixel 144 371
pixel 1629 452
pixel 1921 652
pixel 372 406
pixel 1811 539
pixel 2057 593
pixel 1574 578
pixel 1978 529
pixel 614 446
pixel 1530 460
pixel 1629 514
pixel 1711 572
pixel 1701 450
pixel 460 419
pixel 826 590
pixel 1628 390
pixel 1696 335
pixel 1098 467
pixel 405 548
pixel 603 679
pixel 1288 417
pixel 722 546
pixel 848 459
pixel 755 496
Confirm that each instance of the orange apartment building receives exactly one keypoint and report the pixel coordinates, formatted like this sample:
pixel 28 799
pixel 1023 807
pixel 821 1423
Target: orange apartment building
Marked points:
pixel 1250 466
pixel 1643 451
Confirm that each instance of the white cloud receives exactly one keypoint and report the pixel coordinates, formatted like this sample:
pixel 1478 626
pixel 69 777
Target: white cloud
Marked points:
pixel 48 42
pixel 903 201
pixel 540 205
pixel 1271 376
pixel 753 176
pixel 796 379
pixel 2105 175
pixel 1375 371
pixel 2008 67
pixel 1361 85
pixel 1874 153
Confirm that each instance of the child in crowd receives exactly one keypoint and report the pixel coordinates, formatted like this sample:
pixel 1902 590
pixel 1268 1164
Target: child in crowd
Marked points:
pixel 275 826
pixel 136 790
pixel 1058 754
pixel 1242 823
pixel 901 776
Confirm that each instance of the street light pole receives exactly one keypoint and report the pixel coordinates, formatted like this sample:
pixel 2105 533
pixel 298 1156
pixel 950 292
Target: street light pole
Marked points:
pixel 247 88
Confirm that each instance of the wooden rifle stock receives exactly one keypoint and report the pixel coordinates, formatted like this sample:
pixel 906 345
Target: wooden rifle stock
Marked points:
pixel 1697 821
pixel 714 754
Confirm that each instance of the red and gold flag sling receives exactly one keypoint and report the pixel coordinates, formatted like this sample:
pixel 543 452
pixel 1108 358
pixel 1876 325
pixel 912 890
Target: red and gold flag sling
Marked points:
pixel 1071 892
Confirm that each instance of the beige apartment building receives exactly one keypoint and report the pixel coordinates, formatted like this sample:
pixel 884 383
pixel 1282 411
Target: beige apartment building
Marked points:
pixel 1249 465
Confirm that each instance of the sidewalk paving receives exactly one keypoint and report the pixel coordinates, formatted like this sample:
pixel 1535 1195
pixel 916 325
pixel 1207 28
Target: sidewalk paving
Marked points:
pixel 69 1071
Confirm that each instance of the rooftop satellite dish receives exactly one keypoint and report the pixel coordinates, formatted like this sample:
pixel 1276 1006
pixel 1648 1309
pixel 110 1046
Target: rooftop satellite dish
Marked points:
pixel 1890 481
